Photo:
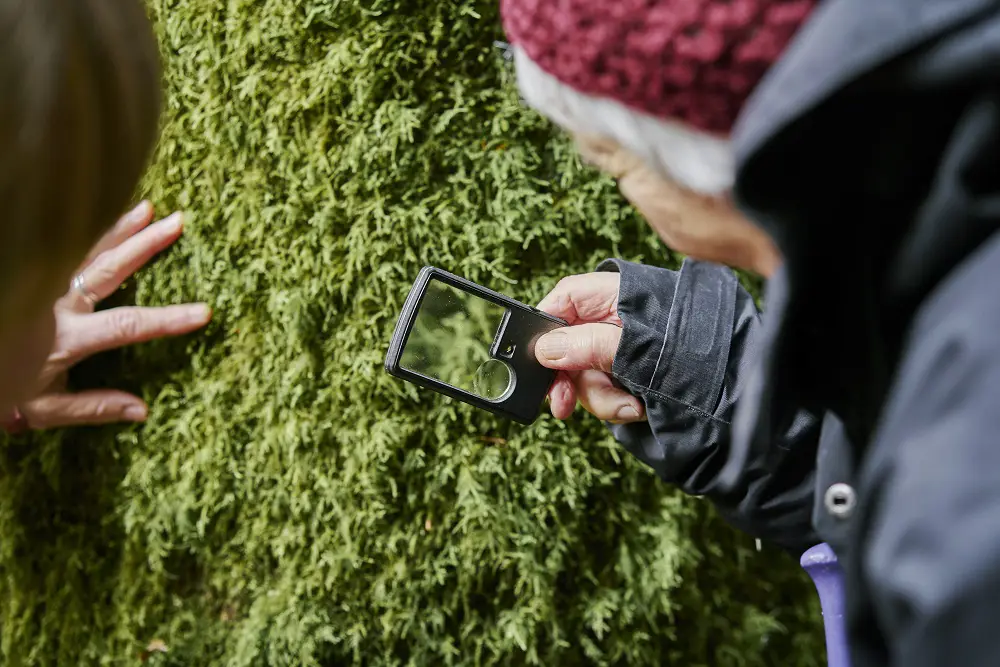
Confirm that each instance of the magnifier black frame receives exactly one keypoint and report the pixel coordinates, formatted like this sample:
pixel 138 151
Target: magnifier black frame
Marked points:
pixel 523 403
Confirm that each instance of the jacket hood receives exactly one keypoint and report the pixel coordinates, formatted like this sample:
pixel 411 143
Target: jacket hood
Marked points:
pixel 870 154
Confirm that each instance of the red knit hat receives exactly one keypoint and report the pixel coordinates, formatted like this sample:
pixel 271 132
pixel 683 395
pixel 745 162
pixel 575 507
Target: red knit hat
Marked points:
pixel 694 61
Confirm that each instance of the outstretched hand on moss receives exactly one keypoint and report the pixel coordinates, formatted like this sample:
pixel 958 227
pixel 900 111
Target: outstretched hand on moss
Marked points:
pixel 81 332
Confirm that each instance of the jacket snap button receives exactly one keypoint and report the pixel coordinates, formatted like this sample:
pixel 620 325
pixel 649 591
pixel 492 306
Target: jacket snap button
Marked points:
pixel 840 500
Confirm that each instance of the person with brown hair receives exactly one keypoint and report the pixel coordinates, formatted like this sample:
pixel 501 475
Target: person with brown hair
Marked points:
pixel 79 117
pixel 862 139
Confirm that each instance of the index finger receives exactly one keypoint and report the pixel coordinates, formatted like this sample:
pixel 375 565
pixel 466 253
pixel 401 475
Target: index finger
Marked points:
pixel 127 226
pixel 588 297
pixel 112 268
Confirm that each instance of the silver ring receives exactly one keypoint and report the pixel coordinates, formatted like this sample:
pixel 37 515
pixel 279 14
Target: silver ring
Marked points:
pixel 80 285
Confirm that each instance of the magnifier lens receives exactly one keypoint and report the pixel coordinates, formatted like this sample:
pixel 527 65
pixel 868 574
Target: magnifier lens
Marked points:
pixel 493 380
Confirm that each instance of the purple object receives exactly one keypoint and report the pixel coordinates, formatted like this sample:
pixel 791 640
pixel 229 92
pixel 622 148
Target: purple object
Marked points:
pixel 821 564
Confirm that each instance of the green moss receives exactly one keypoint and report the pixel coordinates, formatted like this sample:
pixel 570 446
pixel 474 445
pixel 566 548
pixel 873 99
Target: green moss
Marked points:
pixel 288 502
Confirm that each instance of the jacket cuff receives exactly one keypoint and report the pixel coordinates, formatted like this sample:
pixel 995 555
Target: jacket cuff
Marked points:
pixel 677 330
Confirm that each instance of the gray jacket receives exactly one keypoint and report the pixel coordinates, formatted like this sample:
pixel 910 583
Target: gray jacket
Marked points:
pixel 871 154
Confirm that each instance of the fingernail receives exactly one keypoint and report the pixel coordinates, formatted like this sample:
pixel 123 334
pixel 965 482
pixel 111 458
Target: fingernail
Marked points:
pixel 200 313
pixel 627 413
pixel 174 222
pixel 136 413
pixel 553 346
pixel 141 210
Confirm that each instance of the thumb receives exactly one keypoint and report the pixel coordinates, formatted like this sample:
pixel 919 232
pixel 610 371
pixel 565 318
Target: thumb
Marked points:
pixel 579 348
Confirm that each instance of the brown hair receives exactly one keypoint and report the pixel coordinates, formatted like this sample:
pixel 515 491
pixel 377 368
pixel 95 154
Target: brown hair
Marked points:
pixel 79 113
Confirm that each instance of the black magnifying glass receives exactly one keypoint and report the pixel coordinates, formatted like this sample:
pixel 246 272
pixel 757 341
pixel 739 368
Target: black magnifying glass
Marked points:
pixel 473 344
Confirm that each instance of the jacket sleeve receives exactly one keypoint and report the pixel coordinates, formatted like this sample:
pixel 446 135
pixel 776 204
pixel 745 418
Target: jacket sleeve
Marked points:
pixel 688 340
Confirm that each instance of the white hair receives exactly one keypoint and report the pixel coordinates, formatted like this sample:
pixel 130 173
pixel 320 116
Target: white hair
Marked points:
pixel 697 160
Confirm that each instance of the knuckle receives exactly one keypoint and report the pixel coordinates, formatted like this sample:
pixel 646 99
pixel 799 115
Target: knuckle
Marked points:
pixel 601 348
pixel 126 323
pixel 570 283
pixel 593 348
pixel 102 270
pixel 103 411
pixel 565 284
pixel 62 356
pixel 591 345
pixel 613 340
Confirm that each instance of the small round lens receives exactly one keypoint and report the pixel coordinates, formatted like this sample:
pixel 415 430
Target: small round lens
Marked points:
pixel 493 380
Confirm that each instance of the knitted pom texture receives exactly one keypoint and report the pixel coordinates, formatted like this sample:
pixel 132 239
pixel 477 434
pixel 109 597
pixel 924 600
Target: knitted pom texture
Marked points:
pixel 695 61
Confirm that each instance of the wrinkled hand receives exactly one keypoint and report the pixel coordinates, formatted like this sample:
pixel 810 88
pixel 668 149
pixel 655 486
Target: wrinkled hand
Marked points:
pixel 81 332
pixel 584 352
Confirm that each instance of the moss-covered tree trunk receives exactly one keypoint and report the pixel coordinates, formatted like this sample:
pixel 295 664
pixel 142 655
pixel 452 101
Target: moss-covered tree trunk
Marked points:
pixel 289 503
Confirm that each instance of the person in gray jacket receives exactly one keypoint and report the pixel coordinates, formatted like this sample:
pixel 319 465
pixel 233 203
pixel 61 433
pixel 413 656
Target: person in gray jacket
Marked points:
pixel 863 139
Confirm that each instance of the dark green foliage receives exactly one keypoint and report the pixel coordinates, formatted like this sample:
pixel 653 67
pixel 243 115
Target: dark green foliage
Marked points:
pixel 291 504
